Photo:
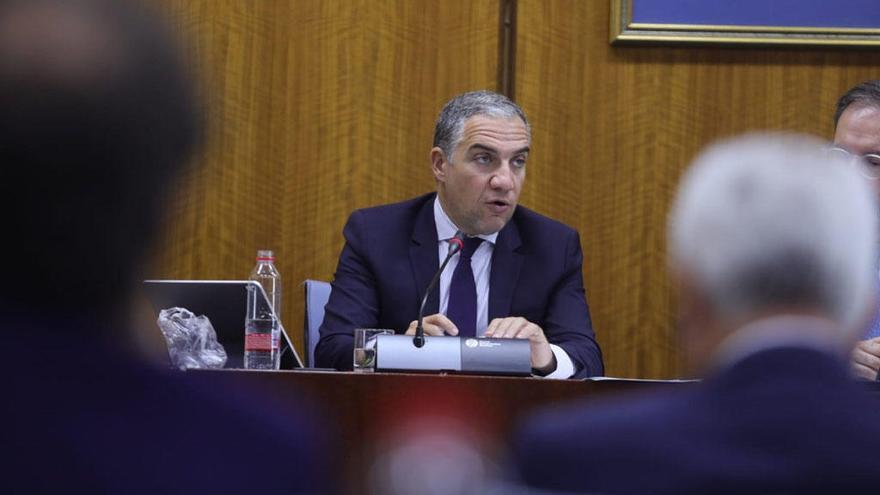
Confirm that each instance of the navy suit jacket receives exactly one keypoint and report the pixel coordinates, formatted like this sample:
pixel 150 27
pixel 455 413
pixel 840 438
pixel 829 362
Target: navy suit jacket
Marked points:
pixel 81 416
pixel 390 255
pixel 784 420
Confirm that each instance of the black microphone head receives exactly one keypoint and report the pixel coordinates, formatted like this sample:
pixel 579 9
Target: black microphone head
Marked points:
pixel 456 244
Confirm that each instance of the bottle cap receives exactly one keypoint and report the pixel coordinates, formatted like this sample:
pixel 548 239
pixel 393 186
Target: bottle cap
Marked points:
pixel 265 255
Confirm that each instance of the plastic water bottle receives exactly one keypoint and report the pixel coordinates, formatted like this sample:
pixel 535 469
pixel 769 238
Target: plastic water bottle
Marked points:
pixel 262 331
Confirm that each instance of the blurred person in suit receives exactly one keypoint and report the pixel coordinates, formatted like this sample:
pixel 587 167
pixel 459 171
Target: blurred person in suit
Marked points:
pixel 857 134
pixel 97 119
pixel 771 304
pixel 519 275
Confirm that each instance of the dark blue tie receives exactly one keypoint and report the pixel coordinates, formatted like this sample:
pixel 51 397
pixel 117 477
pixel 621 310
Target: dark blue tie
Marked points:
pixel 462 307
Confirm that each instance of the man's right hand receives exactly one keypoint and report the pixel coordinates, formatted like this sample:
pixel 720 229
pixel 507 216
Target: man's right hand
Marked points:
pixel 866 358
pixel 436 324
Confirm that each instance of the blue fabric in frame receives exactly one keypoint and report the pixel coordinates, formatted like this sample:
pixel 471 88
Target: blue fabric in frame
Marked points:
pixel 776 13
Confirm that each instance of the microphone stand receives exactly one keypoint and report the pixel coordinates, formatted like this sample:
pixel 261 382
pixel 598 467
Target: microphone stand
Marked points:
pixel 456 243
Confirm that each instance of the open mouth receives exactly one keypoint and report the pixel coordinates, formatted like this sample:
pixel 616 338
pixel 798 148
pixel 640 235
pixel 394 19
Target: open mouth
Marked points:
pixel 498 206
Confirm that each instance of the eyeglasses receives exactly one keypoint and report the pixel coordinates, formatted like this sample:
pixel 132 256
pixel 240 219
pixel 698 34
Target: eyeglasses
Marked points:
pixel 869 163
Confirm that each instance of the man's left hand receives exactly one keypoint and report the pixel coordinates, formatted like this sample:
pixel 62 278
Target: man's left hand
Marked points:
pixel 866 358
pixel 517 327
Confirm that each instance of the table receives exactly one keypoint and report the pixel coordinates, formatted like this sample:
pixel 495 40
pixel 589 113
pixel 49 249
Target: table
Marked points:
pixel 372 413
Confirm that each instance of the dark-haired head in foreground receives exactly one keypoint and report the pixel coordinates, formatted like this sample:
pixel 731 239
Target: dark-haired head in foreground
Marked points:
pixel 97 117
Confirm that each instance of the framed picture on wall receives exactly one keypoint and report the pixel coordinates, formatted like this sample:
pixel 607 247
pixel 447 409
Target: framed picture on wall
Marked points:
pixel 765 22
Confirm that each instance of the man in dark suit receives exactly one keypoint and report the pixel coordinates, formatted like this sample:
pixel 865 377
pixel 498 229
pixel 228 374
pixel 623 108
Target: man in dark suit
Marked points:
pixel 518 276
pixel 857 135
pixel 772 302
pixel 97 118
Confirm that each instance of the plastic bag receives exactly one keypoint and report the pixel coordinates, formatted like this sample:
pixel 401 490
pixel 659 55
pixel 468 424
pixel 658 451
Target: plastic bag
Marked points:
pixel 192 341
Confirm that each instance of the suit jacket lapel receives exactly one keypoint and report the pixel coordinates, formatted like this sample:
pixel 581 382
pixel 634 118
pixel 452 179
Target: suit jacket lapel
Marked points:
pixel 423 255
pixel 506 263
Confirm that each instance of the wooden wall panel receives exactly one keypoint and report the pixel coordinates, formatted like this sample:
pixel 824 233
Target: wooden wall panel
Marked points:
pixel 315 108
pixel 319 107
pixel 613 128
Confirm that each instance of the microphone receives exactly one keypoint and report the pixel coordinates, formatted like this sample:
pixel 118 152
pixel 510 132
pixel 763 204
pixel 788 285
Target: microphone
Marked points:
pixel 456 244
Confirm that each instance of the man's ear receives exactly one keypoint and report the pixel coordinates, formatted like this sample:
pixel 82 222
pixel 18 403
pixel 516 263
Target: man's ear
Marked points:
pixel 439 164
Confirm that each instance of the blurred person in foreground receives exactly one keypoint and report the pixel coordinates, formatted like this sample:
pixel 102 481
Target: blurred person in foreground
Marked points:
pixel 857 134
pixel 97 118
pixel 772 301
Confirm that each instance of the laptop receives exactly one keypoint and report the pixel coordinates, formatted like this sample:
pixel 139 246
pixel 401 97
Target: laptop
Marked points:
pixel 224 302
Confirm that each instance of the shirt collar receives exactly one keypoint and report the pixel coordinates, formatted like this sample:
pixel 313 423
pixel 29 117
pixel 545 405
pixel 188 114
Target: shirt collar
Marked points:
pixel 446 229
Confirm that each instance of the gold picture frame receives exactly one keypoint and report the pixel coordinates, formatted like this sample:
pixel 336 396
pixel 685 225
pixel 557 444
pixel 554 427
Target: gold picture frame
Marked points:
pixel 625 31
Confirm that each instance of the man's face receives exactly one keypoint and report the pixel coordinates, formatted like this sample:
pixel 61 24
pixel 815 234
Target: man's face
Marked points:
pixel 479 185
pixel 858 131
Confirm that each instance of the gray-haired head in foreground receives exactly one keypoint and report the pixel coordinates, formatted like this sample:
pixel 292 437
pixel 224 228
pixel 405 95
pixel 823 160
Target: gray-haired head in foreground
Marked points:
pixel 98 117
pixel 769 221
pixel 450 122
pixel 863 94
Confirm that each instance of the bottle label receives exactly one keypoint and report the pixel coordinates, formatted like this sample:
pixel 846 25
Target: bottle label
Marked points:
pixel 258 342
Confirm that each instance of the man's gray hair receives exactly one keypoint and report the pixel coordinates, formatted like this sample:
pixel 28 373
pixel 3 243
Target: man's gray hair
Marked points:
pixel 863 94
pixel 450 122
pixel 765 221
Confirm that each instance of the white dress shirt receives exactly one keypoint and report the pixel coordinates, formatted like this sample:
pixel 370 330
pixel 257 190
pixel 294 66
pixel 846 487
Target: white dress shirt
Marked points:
pixel 481 265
